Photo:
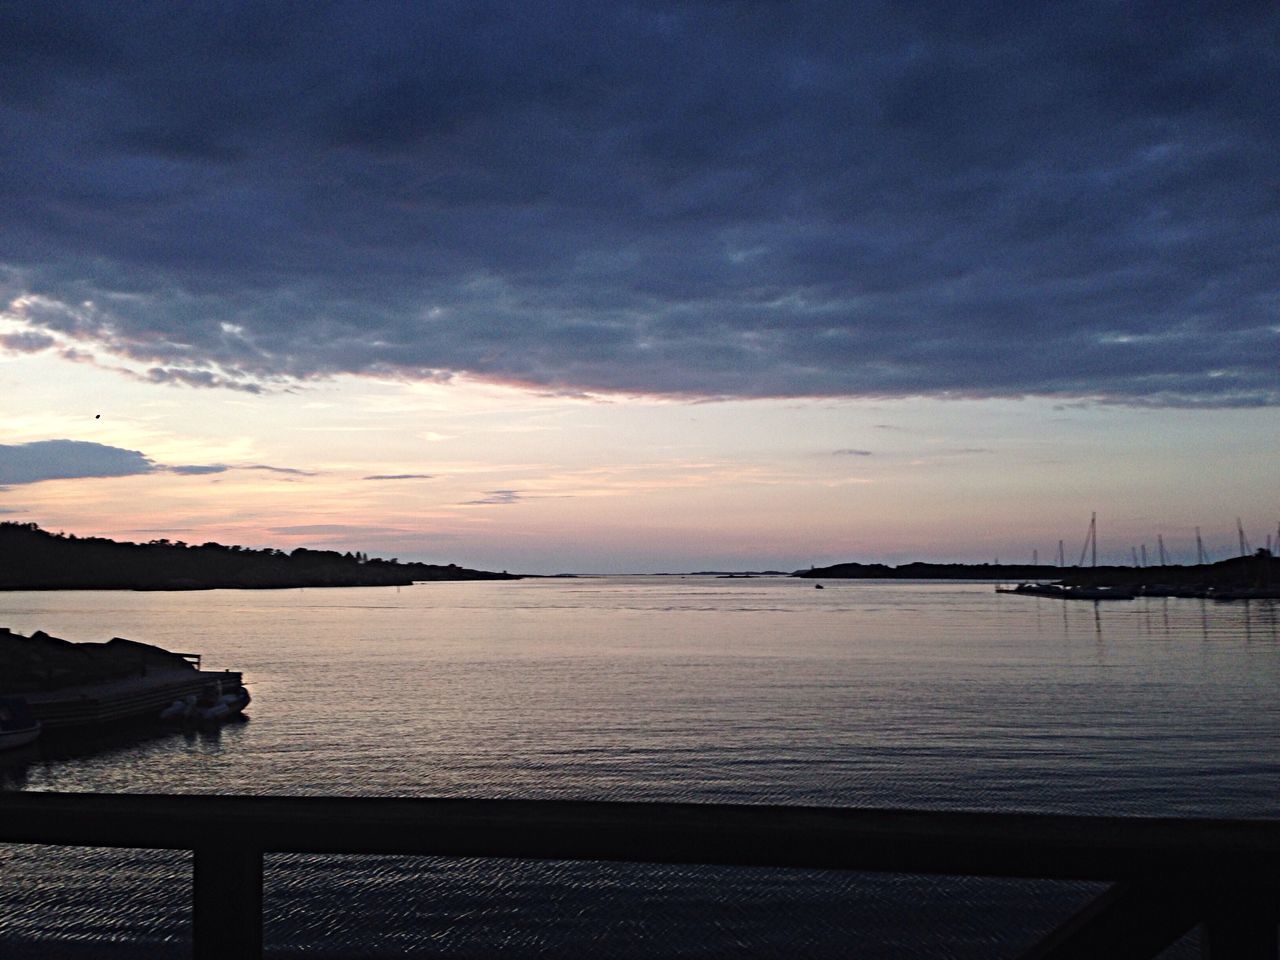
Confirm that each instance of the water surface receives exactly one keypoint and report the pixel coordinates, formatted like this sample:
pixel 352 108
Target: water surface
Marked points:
pixel 939 695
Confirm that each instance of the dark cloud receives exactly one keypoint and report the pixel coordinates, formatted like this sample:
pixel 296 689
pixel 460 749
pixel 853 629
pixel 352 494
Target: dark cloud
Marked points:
pixel 497 497
pixel 289 471
pixel 851 453
pixel 701 199
pixel 68 459
pixel 199 378
pixel 400 476
pixel 199 470
pixel 28 341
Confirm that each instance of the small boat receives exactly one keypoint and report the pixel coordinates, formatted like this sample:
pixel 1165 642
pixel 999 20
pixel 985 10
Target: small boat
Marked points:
pixel 1098 593
pixel 209 708
pixel 1069 593
pixel 1035 589
pixel 224 708
pixel 17 726
pixel 1244 593
pixel 180 710
pixel 818 586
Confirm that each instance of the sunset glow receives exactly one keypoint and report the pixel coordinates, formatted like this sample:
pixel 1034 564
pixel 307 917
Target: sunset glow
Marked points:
pixel 643 291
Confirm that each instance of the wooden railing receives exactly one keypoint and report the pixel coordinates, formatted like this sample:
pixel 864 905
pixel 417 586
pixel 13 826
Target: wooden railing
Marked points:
pixel 1167 875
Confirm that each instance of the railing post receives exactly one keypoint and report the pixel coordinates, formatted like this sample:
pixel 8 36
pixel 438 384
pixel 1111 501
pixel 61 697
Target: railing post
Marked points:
pixel 227 886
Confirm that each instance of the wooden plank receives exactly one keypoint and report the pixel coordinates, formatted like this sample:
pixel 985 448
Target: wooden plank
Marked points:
pixel 227 890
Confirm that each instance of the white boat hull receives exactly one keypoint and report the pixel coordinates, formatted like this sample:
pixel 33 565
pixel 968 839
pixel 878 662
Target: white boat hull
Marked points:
pixel 18 738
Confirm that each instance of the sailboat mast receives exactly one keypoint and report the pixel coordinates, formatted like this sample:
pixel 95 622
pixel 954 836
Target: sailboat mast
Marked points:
pixel 1090 540
pixel 1201 558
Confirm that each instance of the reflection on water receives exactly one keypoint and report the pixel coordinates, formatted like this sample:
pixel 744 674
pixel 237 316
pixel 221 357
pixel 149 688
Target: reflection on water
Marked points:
pixel 1166 618
pixel 114 744
pixel 872 694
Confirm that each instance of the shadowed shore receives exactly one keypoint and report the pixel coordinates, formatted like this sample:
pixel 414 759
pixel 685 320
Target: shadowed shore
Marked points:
pixel 1257 575
pixel 34 559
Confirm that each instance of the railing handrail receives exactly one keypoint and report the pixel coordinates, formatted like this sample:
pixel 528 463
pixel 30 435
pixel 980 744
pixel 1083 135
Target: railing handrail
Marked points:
pixel 907 841
pixel 1169 873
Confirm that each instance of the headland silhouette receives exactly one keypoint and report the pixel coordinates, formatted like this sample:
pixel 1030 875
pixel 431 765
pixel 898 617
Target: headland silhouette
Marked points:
pixel 34 559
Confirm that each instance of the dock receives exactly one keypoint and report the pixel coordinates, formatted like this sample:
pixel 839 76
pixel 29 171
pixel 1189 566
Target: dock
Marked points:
pixel 68 685
pixel 135 697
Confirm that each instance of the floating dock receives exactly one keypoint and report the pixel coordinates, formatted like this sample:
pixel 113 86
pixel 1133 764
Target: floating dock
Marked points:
pixel 67 685
pixel 136 697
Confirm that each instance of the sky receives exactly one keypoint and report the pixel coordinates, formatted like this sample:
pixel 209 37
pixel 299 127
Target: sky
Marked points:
pixel 643 286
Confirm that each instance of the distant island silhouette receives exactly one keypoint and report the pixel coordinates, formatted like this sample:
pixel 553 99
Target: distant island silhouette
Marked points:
pixel 34 559
pixel 933 571
pixel 1259 571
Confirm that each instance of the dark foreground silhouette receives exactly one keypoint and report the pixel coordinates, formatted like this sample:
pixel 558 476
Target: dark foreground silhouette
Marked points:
pixel 34 559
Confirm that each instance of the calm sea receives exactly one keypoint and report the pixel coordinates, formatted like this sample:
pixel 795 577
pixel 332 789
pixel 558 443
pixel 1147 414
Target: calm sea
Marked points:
pixel 939 695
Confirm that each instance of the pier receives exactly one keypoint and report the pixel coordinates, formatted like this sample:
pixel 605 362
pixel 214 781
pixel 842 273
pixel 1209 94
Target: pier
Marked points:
pixel 1166 875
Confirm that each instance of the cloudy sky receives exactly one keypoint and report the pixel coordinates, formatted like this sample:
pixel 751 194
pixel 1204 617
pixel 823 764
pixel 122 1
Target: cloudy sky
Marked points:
pixel 641 286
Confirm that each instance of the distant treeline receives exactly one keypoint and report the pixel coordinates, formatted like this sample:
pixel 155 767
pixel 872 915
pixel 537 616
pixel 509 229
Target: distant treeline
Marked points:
pixel 1260 569
pixel 34 559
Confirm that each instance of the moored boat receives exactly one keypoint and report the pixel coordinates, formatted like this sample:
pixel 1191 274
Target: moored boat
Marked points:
pixel 17 726
pixel 1035 589
pixel 1069 593
pixel 224 707
pixel 1098 593
pixel 214 706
